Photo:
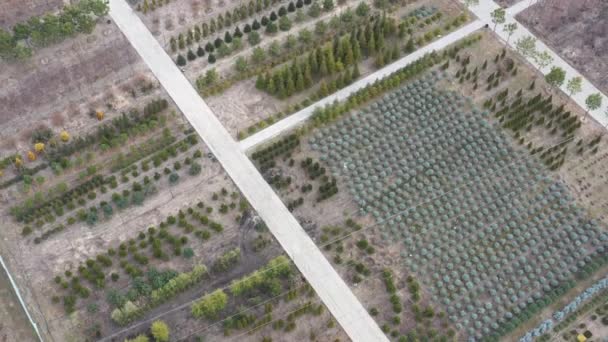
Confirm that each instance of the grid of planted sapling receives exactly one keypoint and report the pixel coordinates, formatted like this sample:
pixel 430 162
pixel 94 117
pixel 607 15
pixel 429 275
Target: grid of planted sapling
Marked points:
pixel 494 237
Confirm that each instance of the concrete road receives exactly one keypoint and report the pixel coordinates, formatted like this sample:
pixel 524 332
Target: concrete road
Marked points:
pixel 298 118
pixel 483 12
pixel 332 290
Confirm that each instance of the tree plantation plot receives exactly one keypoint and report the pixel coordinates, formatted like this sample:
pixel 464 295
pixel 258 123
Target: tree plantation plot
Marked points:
pixel 253 62
pixel 454 193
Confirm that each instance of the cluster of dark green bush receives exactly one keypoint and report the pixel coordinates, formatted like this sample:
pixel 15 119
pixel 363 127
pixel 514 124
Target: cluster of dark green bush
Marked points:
pixel 327 189
pixel 265 157
pixel 313 168
pixel 37 207
pixel 51 28
pixel 295 203
pixel 278 181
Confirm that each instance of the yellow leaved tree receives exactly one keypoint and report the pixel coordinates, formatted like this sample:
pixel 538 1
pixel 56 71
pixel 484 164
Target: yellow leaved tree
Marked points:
pixel 64 136
pixel 39 147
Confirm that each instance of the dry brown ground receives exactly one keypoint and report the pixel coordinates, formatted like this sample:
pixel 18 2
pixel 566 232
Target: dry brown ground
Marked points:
pixel 72 78
pixel 15 11
pixel 14 324
pixel 577 30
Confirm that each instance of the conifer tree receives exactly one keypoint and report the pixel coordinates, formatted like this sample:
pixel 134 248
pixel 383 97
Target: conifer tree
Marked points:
pixel 299 81
pixel 331 62
pixel 289 82
pixel 313 64
pixel 228 19
pixel 260 82
pixel 181 43
pixel 307 76
pixel 197 34
pixel 270 87
pixel 323 91
pixel 191 55
pixel 348 56
pixel 410 47
pixel 362 41
pixel 371 45
pixel 356 72
pixel 356 51
pixel 278 83
pixel 323 71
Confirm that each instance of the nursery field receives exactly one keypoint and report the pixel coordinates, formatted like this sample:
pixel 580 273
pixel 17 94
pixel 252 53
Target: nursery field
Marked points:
pixel 454 196
pixel 118 221
pixel 135 223
pixel 231 52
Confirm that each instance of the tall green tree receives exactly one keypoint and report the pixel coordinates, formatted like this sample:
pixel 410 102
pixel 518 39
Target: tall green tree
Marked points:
pixel 510 28
pixel 556 77
pixel 593 102
pixel 498 17
pixel 574 85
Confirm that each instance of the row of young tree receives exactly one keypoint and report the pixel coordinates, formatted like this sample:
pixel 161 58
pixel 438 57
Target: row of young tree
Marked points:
pixel 327 60
pixel 266 278
pixel 51 28
pixel 129 311
pixel 233 40
pixel 207 30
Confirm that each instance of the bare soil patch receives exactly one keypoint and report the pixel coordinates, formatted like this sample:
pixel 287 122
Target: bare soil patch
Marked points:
pixel 15 11
pixel 577 30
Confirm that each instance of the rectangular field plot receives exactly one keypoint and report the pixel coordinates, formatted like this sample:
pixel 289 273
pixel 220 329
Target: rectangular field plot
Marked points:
pixel 138 222
pixel 453 196
pixel 481 223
